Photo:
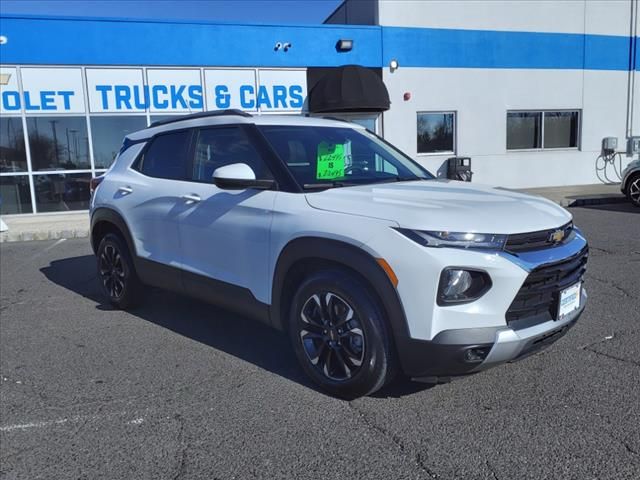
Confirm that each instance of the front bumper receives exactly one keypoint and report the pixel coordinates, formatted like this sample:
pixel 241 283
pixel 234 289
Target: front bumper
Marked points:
pixel 445 355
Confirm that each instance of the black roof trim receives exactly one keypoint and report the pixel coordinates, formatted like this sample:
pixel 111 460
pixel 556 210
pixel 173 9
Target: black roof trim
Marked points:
pixel 193 116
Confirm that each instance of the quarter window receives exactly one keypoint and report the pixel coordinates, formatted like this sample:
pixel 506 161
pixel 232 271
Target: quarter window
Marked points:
pixel 217 147
pixel 536 130
pixel 166 156
pixel 436 132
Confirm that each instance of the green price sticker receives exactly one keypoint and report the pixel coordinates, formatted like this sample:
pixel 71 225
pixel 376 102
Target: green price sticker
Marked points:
pixel 330 161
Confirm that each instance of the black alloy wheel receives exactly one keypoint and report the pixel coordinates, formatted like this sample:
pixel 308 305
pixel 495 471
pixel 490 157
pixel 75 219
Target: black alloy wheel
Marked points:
pixel 331 336
pixel 633 190
pixel 116 272
pixel 340 335
pixel 112 271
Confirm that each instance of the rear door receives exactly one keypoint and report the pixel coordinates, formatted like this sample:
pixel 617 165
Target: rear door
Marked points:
pixel 225 233
pixel 150 197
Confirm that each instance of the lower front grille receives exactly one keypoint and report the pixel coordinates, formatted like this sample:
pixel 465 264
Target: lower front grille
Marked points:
pixel 537 300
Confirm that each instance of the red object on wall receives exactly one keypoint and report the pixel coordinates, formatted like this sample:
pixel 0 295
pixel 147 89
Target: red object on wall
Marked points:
pixel 407 96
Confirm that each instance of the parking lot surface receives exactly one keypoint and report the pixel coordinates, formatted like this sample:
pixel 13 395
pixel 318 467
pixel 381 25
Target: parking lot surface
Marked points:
pixel 178 389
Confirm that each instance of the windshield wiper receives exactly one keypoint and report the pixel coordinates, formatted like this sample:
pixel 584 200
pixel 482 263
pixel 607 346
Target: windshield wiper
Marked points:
pixel 325 185
pixel 400 179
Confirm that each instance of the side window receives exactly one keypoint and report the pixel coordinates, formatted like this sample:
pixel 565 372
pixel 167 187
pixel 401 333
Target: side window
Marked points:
pixel 166 157
pixel 217 147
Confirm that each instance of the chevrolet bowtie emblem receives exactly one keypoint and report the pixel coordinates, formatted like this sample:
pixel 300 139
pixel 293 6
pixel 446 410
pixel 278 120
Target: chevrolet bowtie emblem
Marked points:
pixel 4 78
pixel 556 236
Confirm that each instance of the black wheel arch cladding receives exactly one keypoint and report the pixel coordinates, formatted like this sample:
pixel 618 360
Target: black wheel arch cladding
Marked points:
pixel 339 254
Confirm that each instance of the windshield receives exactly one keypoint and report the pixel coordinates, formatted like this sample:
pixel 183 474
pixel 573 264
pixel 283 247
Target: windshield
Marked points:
pixel 324 157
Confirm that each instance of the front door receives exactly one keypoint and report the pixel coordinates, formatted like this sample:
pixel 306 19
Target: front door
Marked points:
pixel 225 233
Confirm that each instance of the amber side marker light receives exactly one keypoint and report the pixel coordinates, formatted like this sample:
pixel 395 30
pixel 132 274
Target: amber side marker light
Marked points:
pixel 388 270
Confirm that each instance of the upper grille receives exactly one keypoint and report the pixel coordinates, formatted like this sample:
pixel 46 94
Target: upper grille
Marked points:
pixel 523 242
pixel 537 299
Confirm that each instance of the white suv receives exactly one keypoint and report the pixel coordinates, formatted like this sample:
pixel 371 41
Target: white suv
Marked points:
pixel 321 229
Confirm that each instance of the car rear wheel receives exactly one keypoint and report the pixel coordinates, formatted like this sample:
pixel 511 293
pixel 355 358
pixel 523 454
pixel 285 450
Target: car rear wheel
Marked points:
pixel 633 190
pixel 116 272
pixel 340 336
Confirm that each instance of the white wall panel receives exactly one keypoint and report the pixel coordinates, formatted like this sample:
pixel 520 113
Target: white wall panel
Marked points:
pixel 515 15
pixel 481 98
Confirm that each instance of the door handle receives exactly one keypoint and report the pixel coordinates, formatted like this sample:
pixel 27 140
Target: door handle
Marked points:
pixel 125 190
pixel 191 198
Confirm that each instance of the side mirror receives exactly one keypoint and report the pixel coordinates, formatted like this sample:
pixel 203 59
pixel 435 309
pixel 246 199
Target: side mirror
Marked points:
pixel 239 176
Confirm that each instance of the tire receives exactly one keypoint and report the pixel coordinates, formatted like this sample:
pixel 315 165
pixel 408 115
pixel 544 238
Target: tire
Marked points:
pixel 633 189
pixel 116 273
pixel 340 336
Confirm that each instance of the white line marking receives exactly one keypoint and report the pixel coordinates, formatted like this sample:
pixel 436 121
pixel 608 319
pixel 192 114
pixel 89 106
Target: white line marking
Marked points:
pixel 74 419
pixel 45 250
pixel 25 426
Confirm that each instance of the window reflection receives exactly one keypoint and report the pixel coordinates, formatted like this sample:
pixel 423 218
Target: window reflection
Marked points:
pixel 15 196
pixel 524 130
pixel 108 133
pixel 58 143
pixel 162 118
pixel 436 132
pixel 62 192
pixel 13 157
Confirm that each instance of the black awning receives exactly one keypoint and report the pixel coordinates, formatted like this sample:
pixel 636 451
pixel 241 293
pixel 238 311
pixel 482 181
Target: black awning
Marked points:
pixel 350 88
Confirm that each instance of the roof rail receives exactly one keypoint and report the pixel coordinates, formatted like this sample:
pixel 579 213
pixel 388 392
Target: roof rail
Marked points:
pixel 192 116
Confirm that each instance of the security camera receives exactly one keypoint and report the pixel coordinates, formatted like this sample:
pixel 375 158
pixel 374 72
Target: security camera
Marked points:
pixel 278 46
pixel 287 46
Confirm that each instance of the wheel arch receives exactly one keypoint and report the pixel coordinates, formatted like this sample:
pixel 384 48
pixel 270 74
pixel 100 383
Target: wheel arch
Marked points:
pixel 628 179
pixel 303 255
pixel 106 220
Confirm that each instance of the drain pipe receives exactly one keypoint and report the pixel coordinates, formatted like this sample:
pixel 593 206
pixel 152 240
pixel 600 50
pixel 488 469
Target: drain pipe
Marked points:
pixel 633 32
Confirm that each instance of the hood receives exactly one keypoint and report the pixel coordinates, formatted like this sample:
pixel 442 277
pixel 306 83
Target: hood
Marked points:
pixel 444 205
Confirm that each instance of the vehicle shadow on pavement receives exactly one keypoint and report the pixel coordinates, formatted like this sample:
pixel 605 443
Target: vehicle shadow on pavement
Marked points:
pixel 234 334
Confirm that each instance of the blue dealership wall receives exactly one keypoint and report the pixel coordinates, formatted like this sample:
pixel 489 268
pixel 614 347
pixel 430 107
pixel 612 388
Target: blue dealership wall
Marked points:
pixel 82 41
pixel 73 41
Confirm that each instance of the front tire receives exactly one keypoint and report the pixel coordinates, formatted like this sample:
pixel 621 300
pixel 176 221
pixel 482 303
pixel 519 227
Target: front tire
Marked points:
pixel 633 189
pixel 116 273
pixel 340 336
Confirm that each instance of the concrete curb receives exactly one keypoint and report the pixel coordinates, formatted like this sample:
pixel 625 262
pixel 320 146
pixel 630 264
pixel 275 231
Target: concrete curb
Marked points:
pixel 10 236
pixel 594 200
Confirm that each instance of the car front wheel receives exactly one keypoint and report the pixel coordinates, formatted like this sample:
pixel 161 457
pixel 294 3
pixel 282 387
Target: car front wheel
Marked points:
pixel 340 336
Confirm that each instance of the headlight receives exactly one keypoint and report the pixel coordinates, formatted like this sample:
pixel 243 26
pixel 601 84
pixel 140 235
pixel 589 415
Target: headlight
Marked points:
pixel 456 239
pixel 460 285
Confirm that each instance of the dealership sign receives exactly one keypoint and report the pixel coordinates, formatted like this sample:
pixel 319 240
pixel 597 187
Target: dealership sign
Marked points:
pixel 156 90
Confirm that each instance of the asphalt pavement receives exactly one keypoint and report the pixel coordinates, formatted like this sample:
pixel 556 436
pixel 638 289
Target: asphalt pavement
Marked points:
pixel 178 389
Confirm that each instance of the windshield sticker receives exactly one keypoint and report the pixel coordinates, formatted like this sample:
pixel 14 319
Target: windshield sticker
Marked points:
pixel 330 161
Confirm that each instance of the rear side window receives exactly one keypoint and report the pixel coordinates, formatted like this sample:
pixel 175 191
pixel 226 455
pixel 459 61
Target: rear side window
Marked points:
pixel 166 157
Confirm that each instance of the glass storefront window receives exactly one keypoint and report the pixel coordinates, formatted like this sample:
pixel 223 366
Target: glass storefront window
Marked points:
pixel 13 157
pixel 107 134
pixel 58 143
pixel 15 195
pixel 62 192
pixel 162 118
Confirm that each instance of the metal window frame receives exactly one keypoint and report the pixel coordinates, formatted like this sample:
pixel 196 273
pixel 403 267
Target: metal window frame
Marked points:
pixel 455 132
pixel 542 148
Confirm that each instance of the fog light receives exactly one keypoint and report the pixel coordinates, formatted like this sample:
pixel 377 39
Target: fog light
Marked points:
pixel 461 285
pixel 476 354
pixel 456 283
